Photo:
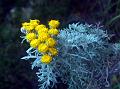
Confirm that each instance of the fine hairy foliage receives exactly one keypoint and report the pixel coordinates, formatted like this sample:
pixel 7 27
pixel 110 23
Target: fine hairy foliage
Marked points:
pixel 86 60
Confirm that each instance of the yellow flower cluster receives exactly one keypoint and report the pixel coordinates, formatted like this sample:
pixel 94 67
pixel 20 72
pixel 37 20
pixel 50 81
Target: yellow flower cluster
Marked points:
pixel 42 38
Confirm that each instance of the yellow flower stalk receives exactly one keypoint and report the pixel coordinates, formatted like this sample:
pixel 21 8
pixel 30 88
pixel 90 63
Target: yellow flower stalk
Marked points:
pixel 46 59
pixel 42 38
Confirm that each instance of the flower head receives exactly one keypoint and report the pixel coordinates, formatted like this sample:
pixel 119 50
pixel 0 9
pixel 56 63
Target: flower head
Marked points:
pixel 39 27
pixel 54 23
pixel 42 30
pixel 51 42
pixel 34 22
pixel 53 51
pixel 43 36
pixel 30 36
pixel 34 43
pixel 27 26
pixel 42 48
pixel 53 32
pixel 46 59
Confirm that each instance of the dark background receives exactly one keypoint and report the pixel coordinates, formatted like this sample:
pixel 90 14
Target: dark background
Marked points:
pixel 16 73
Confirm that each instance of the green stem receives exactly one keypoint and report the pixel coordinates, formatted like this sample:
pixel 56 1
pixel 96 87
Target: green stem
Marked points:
pixel 113 20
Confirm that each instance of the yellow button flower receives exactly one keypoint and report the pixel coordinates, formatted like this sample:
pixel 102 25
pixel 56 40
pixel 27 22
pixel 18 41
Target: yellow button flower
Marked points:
pixel 42 48
pixel 54 23
pixel 34 43
pixel 41 39
pixel 43 30
pixel 46 59
pixel 53 32
pixel 27 26
pixel 43 36
pixel 53 51
pixel 51 42
pixel 39 27
pixel 34 22
pixel 30 36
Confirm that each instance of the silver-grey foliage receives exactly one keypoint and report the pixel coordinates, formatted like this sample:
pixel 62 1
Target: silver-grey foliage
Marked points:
pixel 86 59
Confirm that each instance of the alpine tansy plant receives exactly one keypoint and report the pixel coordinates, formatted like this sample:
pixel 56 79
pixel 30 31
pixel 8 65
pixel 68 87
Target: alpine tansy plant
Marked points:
pixel 79 56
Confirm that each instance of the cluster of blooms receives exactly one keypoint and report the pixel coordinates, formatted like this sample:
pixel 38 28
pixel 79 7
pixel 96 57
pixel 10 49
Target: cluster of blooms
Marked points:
pixel 42 38
pixel 86 59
